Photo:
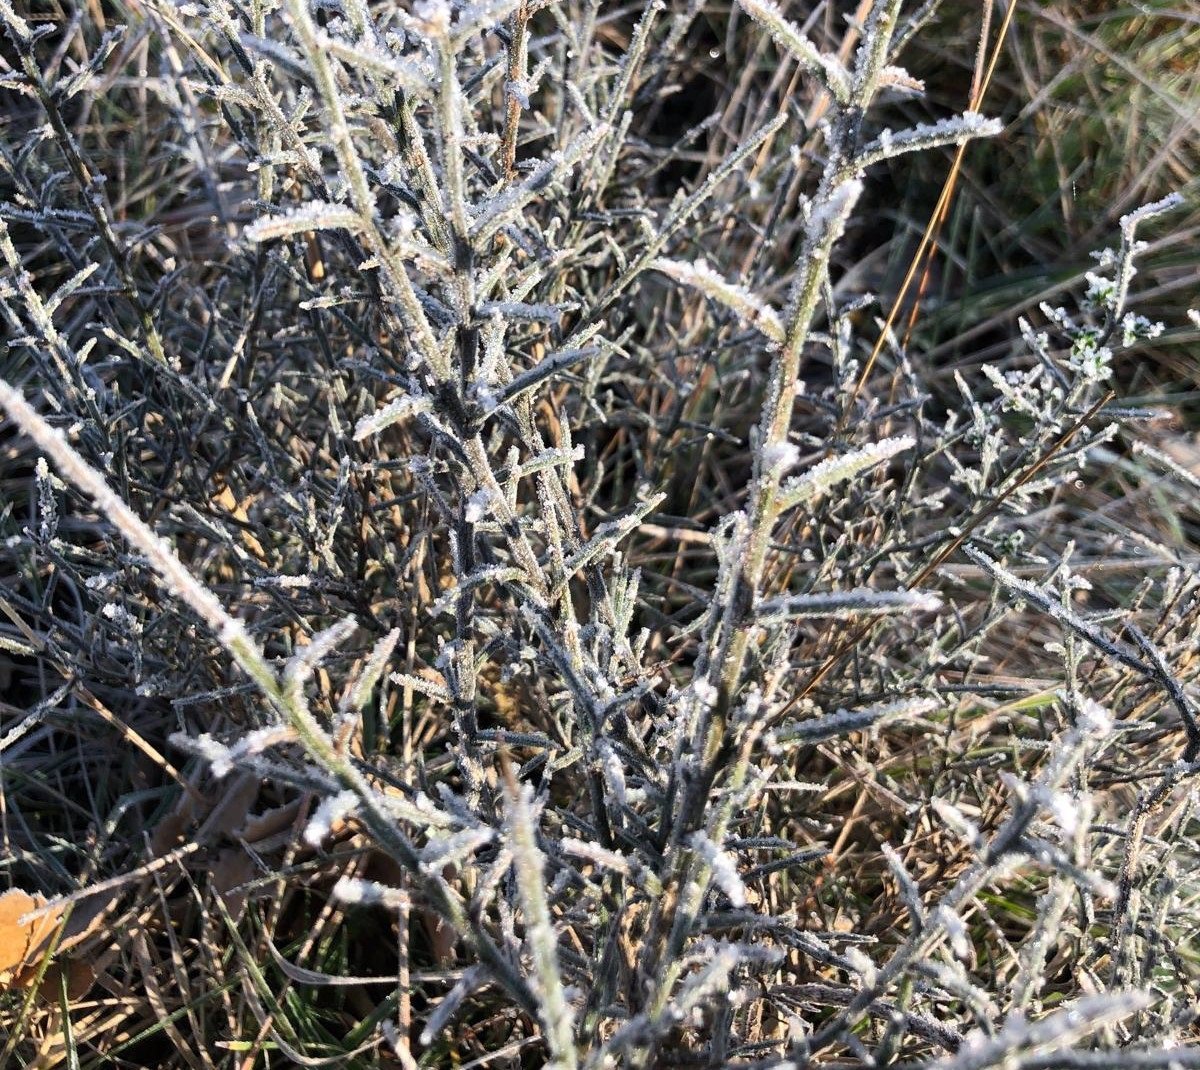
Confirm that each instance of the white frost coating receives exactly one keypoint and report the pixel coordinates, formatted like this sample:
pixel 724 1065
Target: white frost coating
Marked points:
pixel 552 457
pixel 1064 809
pixel 331 810
pixel 521 310
pixel 1094 718
pixel 724 869
pixel 780 457
pixel 1129 222
pixel 862 965
pixel 956 820
pixel 369 55
pixel 359 892
pixel 259 740
pixel 899 78
pixel 350 890
pixel 859 601
pixel 492 214
pixel 486 13
pixel 215 753
pixel 284 582
pixel 597 855
pixel 478 505
pixel 956 931
pixel 316 215
pixel 556 1014
pixel 454 848
pixel 15 646
pixel 434 15
pixel 613 772
pixel 830 213
pixel 705 692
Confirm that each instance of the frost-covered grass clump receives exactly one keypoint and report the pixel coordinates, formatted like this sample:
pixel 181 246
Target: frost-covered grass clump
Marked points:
pixel 487 584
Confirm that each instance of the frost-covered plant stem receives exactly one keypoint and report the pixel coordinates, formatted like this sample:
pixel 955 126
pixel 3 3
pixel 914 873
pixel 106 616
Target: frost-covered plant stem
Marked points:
pixel 287 702
pixel 839 190
pixel 531 880
pixel 513 88
pixel 725 662
pixel 90 195
pixel 1008 844
pixel 413 315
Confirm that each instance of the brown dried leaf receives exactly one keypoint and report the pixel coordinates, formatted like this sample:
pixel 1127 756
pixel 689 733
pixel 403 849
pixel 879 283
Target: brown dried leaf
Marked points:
pixel 79 978
pixel 22 939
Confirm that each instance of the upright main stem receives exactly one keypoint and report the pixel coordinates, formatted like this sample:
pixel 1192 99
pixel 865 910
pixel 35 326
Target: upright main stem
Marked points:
pixel 835 199
pixel 723 662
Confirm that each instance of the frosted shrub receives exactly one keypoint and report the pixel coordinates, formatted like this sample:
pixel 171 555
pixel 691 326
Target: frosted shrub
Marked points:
pixel 383 480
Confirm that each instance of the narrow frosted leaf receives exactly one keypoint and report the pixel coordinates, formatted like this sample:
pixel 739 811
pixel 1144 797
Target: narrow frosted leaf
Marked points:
pixel 1024 1040
pixel 846 604
pixel 1130 222
pixel 68 288
pixel 490 574
pixel 551 458
pixel 305 661
pixel 316 215
pixel 544 369
pixel 1053 607
pixel 1169 464
pixel 505 206
pixel 394 411
pixel 357 54
pixel 827 219
pixel 332 809
pixel 16 646
pixel 175 576
pixel 276 50
pixel 958 822
pixel 455 848
pixel 745 305
pixel 597 855
pixel 360 694
pixel 684 210
pixel 952 131
pixel 85 77
pixel 17 25
pixel 833 470
pixel 899 78
pixel 845 721
pixel 435 691
pixel 910 892
pixel 519 310
pixel 451 1001
pixel 608 534
pixel 827 69
pixel 724 869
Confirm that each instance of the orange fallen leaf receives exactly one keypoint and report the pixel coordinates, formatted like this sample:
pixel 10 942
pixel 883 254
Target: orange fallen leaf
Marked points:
pixel 23 940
